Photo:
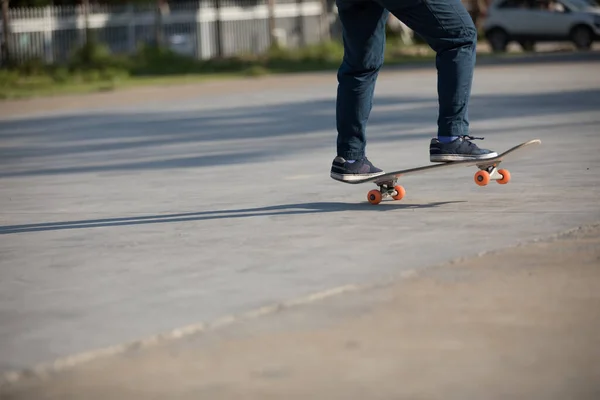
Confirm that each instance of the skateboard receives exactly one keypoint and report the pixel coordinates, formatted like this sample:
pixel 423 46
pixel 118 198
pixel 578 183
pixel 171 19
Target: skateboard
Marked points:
pixel 488 171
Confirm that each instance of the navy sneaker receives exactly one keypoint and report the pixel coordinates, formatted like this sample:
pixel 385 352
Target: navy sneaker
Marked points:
pixel 459 149
pixel 342 170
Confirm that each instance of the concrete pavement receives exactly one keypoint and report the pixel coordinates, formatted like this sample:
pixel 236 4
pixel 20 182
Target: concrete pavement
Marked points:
pixel 520 323
pixel 123 220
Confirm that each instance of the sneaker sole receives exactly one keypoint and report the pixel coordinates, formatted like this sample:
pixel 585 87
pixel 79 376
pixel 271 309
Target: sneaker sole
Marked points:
pixel 459 157
pixel 353 177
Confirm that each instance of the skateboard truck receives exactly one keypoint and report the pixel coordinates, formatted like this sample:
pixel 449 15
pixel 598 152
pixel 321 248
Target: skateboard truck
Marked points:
pixel 491 172
pixel 386 189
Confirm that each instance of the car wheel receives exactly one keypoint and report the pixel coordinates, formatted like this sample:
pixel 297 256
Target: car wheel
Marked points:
pixel 581 36
pixel 527 45
pixel 498 40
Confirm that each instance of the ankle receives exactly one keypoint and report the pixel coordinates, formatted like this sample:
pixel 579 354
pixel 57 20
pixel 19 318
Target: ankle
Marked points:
pixel 447 139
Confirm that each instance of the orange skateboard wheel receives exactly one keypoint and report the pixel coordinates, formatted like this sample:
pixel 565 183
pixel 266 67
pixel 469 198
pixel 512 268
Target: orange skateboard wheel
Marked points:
pixel 505 176
pixel 401 192
pixel 374 196
pixel 482 178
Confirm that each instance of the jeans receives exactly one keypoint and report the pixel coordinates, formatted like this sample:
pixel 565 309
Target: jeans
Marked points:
pixel 446 27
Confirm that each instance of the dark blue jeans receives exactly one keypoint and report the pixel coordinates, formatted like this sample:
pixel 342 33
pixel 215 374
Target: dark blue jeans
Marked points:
pixel 444 24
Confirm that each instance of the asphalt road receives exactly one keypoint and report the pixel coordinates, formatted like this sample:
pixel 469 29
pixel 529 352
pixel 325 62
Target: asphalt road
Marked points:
pixel 132 218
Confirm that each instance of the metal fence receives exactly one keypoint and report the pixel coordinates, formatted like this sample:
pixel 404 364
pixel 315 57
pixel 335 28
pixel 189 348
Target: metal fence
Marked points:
pixel 200 29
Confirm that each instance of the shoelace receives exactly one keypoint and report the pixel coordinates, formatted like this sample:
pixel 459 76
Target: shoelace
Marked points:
pixel 468 137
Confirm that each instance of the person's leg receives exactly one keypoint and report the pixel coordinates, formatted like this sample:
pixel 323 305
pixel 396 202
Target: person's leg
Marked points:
pixel 450 32
pixel 363 24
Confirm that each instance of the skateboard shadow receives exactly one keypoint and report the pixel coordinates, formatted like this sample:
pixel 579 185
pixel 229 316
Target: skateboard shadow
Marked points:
pixel 279 210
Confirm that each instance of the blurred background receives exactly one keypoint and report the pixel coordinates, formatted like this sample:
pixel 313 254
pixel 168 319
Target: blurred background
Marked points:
pixel 99 44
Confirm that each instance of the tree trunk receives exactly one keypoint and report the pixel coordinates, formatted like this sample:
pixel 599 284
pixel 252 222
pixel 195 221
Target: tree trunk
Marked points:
pixel 85 4
pixel 300 24
pixel 325 33
pixel 6 47
pixel 219 29
pixel 161 9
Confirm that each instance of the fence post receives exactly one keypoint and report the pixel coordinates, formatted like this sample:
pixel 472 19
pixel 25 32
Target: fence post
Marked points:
pixel 202 32
pixel 48 30
pixel 131 27
pixel 80 25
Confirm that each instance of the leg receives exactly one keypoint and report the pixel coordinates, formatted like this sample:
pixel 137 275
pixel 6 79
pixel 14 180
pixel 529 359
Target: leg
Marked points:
pixel 451 33
pixel 363 25
pixel 449 30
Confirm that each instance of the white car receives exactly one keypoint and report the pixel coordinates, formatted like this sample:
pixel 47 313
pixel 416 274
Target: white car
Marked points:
pixel 530 21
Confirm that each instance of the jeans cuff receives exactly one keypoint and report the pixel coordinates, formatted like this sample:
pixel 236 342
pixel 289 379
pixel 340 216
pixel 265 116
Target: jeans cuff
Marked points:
pixel 453 130
pixel 352 155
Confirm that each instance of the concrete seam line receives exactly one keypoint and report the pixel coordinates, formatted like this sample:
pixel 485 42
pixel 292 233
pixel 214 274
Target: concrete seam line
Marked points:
pixel 549 238
pixel 43 370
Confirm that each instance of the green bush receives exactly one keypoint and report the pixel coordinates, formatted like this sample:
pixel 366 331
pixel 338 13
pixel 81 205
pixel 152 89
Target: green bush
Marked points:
pixel 114 74
pixel 32 67
pixel 324 55
pixel 61 75
pixel 97 57
pixel 94 64
pixel 8 78
pixel 152 60
pixel 256 70
pixel 328 52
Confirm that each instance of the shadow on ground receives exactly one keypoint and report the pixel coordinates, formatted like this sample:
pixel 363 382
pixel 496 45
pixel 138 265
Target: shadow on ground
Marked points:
pixel 199 138
pixel 279 210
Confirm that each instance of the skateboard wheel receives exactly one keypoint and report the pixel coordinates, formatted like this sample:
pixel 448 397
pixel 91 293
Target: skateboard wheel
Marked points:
pixel 401 192
pixel 505 176
pixel 374 196
pixel 482 178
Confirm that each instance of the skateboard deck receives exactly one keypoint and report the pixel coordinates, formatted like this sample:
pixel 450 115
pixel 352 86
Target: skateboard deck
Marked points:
pixel 488 171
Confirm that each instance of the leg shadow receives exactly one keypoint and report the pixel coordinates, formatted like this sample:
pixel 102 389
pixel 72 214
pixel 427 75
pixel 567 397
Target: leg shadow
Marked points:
pixel 285 209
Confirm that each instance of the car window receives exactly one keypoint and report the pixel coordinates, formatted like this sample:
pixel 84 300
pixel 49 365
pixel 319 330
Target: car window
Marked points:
pixel 554 6
pixel 580 5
